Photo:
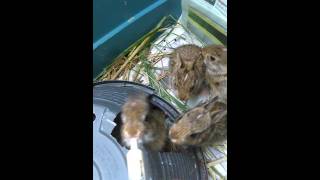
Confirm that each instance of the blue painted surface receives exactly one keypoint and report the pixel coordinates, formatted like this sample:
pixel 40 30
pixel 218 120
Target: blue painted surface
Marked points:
pixel 118 23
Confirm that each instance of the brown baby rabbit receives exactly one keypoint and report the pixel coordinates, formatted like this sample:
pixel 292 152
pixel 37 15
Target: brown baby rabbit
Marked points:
pixel 186 71
pixel 203 125
pixel 215 59
pixel 144 121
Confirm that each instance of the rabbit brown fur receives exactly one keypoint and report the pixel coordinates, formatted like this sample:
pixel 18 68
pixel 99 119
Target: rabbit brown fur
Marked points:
pixel 144 121
pixel 186 71
pixel 203 125
pixel 215 60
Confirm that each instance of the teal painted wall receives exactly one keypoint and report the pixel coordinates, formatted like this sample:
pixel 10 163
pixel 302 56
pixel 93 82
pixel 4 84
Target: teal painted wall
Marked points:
pixel 118 23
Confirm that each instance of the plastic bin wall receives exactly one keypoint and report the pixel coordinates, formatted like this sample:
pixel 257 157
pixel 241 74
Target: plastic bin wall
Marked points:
pixel 119 23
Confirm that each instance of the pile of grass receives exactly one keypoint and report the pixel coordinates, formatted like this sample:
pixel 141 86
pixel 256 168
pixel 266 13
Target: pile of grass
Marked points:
pixel 129 57
pixel 136 59
pixel 213 162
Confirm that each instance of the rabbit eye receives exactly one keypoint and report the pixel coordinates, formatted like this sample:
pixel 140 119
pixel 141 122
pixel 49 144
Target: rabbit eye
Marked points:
pixel 191 88
pixel 194 135
pixel 212 58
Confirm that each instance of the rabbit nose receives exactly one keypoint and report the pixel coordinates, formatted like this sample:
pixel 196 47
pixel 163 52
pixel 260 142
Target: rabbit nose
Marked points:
pixel 183 97
pixel 134 134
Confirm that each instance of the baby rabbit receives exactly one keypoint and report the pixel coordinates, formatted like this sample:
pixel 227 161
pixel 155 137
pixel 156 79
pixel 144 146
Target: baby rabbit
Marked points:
pixel 187 71
pixel 215 59
pixel 143 121
pixel 203 125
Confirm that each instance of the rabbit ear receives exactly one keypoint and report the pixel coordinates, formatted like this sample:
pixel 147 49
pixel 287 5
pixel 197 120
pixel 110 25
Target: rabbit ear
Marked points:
pixel 210 104
pixel 204 123
pixel 179 62
pixel 218 116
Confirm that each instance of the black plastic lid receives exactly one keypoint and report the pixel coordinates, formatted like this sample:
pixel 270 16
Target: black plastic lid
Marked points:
pixel 109 157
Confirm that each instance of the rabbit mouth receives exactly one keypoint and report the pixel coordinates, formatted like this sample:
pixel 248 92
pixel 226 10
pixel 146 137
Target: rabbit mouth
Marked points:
pixel 177 141
pixel 174 140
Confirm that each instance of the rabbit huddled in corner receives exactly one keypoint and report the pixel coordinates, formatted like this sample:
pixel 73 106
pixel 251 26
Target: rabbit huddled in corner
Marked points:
pixel 203 125
pixel 191 67
pixel 187 71
pixel 215 60
pixel 143 121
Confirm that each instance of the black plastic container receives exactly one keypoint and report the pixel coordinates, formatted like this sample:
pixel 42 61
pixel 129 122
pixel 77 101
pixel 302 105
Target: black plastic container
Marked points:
pixel 110 157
